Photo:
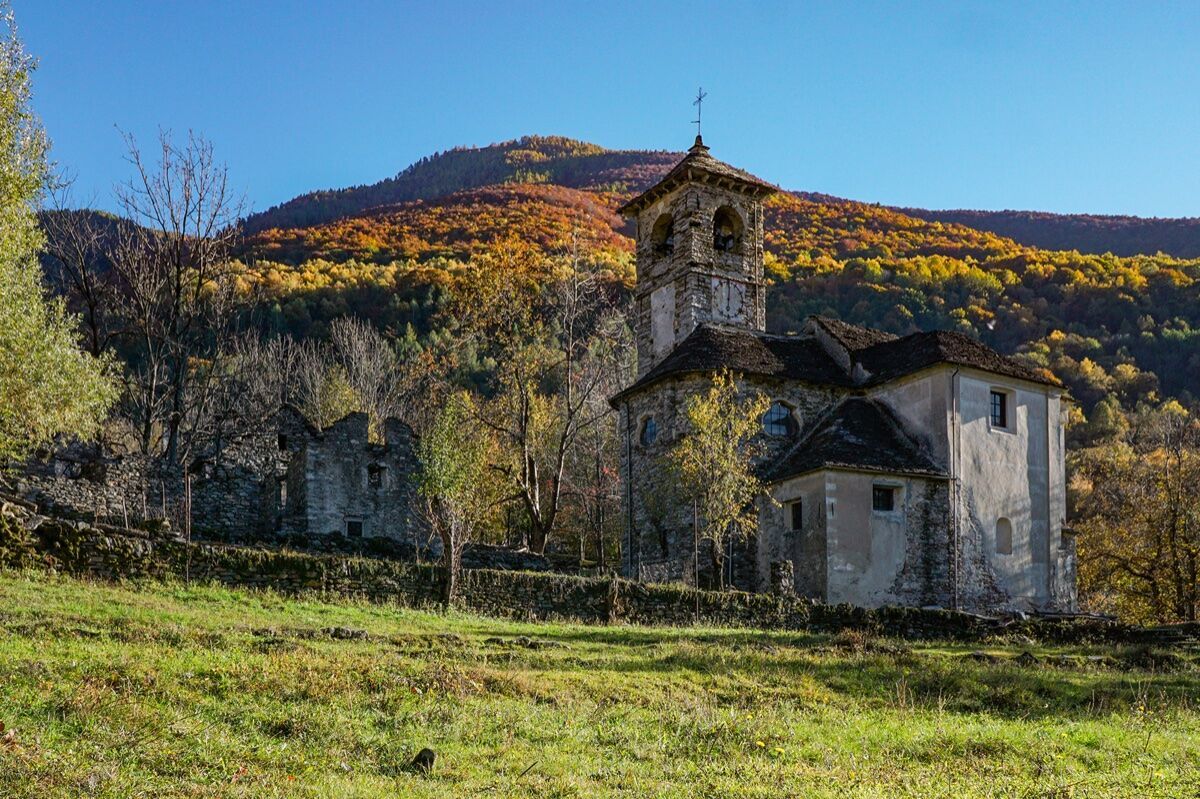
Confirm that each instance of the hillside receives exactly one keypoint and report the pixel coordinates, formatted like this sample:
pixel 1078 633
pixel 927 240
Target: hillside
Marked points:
pixel 169 691
pixel 581 165
pixel 1089 233
pixel 1121 327
pixel 532 159
pixel 460 225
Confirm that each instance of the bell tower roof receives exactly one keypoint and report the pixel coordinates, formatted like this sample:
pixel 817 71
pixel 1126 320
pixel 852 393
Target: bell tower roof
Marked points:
pixel 700 167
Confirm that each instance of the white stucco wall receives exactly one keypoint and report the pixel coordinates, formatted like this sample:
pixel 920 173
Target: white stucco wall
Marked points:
pixel 865 548
pixel 1014 473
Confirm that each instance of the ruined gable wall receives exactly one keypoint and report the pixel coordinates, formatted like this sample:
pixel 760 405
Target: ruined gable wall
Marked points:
pixel 347 478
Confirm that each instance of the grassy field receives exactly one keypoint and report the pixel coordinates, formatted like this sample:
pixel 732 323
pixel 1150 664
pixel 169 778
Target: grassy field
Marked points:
pixel 166 691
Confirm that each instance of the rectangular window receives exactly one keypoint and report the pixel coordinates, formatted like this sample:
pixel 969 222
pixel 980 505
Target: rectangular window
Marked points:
pixel 883 498
pixel 375 475
pixel 999 409
pixel 796 516
pixel 354 528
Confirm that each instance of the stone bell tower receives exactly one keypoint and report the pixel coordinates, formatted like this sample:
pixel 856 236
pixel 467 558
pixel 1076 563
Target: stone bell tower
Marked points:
pixel 699 253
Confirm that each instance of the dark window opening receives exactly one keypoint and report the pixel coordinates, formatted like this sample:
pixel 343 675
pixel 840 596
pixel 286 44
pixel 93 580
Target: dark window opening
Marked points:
pixel 663 236
pixel 649 432
pixel 796 511
pixel 779 421
pixel 727 230
pixel 883 498
pixel 375 475
pixel 999 409
pixel 354 528
pixel 283 442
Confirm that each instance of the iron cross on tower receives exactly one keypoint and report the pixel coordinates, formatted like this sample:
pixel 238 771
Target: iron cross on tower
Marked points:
pixel 699 103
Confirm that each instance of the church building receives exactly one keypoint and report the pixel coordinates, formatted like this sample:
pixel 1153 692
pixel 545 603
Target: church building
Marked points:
pixel 923 470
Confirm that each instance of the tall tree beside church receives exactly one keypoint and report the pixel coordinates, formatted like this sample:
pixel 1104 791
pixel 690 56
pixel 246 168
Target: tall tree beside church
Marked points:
pixel 48 386
pixel 712 466
pixel 545 324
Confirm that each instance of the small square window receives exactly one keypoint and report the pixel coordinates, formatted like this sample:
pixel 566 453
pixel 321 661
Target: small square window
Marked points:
pixel 354 528
pixel 375 475
pixel 883 498
pixel 796 515
pixel 999 409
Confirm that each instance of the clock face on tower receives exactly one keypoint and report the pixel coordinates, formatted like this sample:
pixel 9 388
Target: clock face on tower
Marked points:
pixel 729 300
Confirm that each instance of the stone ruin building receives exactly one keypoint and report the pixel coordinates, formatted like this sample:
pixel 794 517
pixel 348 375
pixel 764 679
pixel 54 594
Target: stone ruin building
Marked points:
pixel 289 481
pixel 924 470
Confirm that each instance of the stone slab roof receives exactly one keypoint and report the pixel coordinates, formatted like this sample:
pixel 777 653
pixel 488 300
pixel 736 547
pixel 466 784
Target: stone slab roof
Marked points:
pixel 699 165
pixel 710 348
pixel 889 360
pixel 883 356
pixel 852 337
pixel 860 434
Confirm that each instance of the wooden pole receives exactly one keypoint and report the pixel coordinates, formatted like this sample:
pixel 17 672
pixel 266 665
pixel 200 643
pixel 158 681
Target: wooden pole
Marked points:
pixel 187 525
pixel 696 552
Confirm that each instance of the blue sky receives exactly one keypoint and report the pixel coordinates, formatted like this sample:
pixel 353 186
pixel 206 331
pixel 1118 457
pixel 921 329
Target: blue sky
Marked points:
pixel 1069 107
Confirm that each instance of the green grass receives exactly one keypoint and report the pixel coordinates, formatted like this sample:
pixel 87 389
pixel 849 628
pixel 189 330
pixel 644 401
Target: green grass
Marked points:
pixel 167 691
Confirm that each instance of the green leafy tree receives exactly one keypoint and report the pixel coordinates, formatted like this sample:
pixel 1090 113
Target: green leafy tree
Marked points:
pixel 713 467
pixel 456 482
pixel 48 386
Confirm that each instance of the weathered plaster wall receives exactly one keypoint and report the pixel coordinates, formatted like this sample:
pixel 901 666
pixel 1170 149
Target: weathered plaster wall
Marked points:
pixel 1016 474
pixel 868 549
pixel 923 403
pixel 806 549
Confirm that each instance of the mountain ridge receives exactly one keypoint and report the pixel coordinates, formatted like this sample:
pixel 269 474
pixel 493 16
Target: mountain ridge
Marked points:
pixel 577 164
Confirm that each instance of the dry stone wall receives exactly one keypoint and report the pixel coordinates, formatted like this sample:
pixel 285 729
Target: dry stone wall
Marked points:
pixel 78 548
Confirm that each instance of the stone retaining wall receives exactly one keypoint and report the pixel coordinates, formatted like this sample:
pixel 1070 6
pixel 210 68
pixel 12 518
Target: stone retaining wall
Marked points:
pixel 116 554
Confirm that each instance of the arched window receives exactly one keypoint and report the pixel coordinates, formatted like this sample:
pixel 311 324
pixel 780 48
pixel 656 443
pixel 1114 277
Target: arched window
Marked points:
pixel 1004 538
pixel 649 431
pixel 663 235
pixel 727 230
pixel 779 420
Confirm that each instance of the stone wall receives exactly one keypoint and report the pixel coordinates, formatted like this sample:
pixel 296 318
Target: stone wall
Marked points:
pixel 340 478
pixel 27 540
pixel 288 479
